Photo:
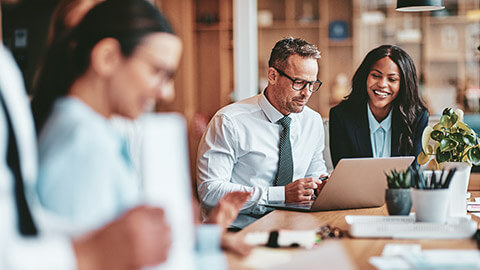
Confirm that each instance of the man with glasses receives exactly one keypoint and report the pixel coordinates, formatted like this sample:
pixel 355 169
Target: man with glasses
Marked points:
pixel 271 144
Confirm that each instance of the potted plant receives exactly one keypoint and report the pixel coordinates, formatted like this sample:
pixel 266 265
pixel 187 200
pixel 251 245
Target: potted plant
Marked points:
pixel 397 196
pixel 430 194
pixel 451 144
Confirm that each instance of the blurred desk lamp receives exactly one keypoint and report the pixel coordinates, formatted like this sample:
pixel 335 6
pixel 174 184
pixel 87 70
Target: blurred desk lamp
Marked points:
pixel 419 5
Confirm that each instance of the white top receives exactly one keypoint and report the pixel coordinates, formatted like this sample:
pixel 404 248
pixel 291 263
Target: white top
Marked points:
pixel 239 151
pixel 49 250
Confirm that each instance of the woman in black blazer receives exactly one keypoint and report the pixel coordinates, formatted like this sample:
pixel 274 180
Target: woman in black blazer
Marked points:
pixel 386 82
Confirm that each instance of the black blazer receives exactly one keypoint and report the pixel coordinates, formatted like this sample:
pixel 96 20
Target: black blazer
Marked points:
pixel 350 133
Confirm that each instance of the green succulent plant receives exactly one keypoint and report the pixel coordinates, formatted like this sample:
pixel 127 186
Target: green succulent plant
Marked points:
pixel 399 179
pixel 449 140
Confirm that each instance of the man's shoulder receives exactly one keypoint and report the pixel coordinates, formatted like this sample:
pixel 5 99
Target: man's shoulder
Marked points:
pixel 239 108
pixel 310 113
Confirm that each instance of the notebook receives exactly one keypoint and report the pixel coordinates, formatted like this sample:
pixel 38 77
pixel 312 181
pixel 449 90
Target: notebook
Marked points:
pixel 166 181
pixel 355 183
pixel 406 227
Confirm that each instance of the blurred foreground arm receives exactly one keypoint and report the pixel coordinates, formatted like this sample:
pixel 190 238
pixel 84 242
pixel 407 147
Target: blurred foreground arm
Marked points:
pixel 227 209
pixel 223 214
pixel 139 238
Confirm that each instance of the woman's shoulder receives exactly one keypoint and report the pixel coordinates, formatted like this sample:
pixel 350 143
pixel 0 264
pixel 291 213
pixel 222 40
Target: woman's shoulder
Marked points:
pixel 71 124
pixel 422 116
pixel 346 109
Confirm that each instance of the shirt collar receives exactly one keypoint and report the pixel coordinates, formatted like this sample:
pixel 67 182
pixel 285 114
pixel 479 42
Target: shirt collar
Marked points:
pixel 386 124
pixel 272 114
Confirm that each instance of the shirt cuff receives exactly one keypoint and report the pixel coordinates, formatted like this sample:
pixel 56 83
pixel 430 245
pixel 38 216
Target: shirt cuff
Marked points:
pixel 276 194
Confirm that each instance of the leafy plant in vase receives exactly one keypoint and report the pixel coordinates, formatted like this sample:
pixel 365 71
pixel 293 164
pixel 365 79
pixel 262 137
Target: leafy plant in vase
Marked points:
pixel 451 144
pixel 397 196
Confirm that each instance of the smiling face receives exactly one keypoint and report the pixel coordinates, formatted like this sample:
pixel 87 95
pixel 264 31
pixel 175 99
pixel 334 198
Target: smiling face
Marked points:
pixel 146 76
pixel 280 92
pixel 383 86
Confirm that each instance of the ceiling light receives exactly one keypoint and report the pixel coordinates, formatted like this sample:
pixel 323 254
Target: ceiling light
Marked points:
pixel 419 5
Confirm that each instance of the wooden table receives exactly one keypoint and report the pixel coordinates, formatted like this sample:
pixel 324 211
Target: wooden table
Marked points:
pixel 474 183
pixel 359 250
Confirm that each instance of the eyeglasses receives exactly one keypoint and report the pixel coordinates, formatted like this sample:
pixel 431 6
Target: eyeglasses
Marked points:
pixel 299 84
pixel 164 75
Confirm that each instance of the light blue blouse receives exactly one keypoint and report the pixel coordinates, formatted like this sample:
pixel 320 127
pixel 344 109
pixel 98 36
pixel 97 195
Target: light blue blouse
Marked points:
pixel 380 134
pixel 87 176
pixel 85 173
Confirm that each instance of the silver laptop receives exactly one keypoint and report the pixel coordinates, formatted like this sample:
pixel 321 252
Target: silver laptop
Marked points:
pixel 355 183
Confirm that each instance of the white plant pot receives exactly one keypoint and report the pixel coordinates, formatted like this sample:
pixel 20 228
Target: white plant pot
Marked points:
pixel 431 205
pixel 458 187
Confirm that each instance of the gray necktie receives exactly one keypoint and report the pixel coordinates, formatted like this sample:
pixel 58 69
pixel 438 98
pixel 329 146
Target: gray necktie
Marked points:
pixel 285 160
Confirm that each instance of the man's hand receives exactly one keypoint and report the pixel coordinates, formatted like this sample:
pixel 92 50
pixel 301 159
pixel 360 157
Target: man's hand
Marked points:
pixel 139 238
pixel 301 190
pixel 227 209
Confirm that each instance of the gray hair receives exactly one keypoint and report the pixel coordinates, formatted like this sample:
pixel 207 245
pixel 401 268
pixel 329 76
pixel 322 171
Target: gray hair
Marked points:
pixel 290 46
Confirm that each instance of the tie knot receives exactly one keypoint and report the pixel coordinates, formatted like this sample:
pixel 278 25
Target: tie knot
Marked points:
pixel 285 121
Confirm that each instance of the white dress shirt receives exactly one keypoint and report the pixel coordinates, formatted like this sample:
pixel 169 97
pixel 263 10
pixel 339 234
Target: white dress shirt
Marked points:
pixel 239 151
pixel 48 250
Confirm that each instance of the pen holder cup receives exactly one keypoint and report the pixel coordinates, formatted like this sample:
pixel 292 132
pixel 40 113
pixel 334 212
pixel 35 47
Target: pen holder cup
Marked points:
pixel 431 205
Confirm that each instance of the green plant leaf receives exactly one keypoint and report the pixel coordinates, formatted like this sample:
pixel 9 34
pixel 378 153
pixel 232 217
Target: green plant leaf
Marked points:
pixel 446 121
pixel 458 137
pixel 396 184
pixel 426 137
pixel 474 155
pixel 465 127
pixel 408 180
pixel 422 158
pixel 436 146
pixel 442 156
pixel 469 140
pixel 437 135
pixel 447 111
pixel 454 118
pixel 447 145
pixel 437 126
pixel 459 113
pixel 433 164
pixel 460 147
